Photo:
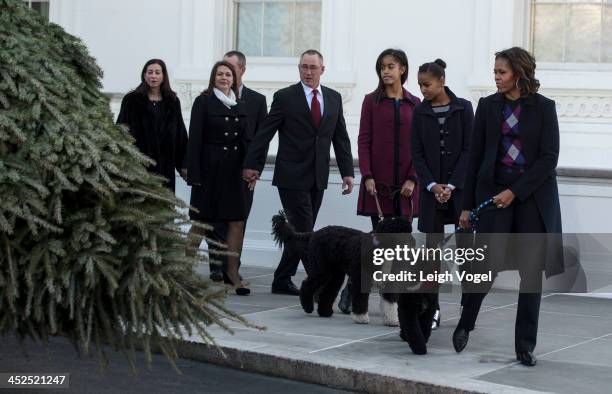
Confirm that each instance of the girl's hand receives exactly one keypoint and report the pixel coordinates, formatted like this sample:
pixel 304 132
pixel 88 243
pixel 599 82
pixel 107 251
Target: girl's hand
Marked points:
pixel 407 188
pixel 464 220
pixel 370 186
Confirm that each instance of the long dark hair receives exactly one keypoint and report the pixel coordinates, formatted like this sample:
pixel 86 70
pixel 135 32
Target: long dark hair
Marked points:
pixel 401 58
pixel 523 67
pixel 166 91
pixel 213 72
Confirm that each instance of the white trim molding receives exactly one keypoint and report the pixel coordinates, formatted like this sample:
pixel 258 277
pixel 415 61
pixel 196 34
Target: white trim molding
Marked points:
pixel 573 104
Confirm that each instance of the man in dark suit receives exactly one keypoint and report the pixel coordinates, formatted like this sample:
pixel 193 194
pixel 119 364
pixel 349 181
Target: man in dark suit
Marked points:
pixel 257 109
pixel 309 118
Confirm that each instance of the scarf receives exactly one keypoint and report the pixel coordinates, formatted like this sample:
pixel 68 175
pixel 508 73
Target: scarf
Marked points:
pixel 230 101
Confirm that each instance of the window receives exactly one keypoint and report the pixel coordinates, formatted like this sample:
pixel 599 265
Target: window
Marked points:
pixel 277 28
pixel 41 6
pixel 572 31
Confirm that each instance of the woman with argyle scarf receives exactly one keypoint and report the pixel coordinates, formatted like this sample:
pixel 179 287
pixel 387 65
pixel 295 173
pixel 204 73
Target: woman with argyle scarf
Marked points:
pixel 513 155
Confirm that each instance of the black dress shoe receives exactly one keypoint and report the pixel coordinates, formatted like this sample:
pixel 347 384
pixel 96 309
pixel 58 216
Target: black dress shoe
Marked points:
pixel 460 339
pixel 288 288
pixel 243 291
pixel 526 358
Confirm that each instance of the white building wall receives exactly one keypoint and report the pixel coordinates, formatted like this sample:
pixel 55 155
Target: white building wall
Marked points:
pixel 190 35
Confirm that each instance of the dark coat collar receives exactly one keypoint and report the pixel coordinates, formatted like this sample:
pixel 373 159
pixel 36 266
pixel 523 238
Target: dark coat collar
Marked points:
pixel 298 87
pixel 407 96
pixel 455 104
pixel 529 100
pixel 246 92
pixel 142 100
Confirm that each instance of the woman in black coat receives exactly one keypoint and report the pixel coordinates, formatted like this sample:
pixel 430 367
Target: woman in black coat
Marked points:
pixel 217 146
pixel 513 156
pixel 153 114
pixel 441 128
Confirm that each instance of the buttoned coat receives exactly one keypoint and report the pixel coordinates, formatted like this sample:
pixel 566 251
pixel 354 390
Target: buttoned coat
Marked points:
pixel 427 156
pixel 376 144
pixel 217 146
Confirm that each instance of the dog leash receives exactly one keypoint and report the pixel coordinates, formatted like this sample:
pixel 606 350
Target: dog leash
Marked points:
pixel 475 214
pixel 380 213
pixel 473 219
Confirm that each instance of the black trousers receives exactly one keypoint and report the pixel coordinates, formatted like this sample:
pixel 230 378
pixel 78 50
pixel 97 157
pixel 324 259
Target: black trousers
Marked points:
pixel 432 240
pixel 219 234
pixel 519 217
pixel 301 208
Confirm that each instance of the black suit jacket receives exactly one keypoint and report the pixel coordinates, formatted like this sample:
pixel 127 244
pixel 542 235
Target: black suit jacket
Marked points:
pixel 539 130
pixel 256 109
pixel 303 157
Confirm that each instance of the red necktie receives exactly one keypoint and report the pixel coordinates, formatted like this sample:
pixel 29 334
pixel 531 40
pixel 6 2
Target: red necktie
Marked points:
pixel 315 109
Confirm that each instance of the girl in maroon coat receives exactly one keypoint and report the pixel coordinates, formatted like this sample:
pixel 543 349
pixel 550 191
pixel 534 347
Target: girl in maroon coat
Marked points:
pixel 384 146
pixel 384 143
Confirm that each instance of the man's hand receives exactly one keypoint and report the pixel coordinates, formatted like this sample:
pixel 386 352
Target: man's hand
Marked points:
pixel 407 188
pixel 504 199
pixel 347 184
pixel 249 175
pixel 252 185
pixel 370 186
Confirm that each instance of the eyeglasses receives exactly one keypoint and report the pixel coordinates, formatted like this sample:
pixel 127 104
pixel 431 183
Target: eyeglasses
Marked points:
pixel 306 67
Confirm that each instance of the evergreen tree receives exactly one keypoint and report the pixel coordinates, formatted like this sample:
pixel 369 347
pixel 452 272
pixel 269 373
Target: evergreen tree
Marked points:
pixel 90 242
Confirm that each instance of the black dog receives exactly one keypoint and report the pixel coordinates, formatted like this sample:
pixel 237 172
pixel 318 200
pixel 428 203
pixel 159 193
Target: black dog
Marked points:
pixel 333 252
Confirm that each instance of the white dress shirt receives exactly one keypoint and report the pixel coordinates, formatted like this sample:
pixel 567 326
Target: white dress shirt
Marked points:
pixel 308 92
pixel 432 184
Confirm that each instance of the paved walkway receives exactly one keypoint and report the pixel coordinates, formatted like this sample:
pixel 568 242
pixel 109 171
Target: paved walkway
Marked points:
pixel 574 346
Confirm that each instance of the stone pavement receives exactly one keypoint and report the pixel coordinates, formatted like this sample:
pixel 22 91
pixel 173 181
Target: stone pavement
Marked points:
pixel 574 346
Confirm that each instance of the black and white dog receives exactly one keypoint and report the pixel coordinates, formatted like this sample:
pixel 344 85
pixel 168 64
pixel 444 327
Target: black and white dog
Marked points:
pixel 333 252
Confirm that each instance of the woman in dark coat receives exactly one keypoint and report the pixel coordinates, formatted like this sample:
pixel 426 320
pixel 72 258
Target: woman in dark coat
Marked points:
pixel 217 146
pixel 441 128
pixel 153 114
pixel 513 156
pixel 385 158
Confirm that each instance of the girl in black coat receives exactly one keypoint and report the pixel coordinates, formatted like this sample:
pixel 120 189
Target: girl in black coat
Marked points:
pixel 153 114
pixel 217 145
pixel 441 128
pixel 513 156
